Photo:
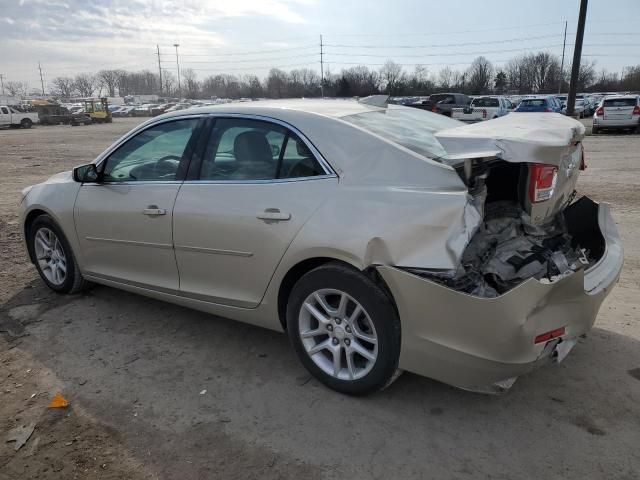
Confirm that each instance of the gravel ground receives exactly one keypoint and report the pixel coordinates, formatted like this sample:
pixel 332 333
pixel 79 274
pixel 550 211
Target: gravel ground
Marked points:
pixel 133 370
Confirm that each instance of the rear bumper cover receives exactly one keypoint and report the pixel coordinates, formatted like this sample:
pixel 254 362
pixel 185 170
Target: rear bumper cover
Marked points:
pixel 473 342
pixel 623 123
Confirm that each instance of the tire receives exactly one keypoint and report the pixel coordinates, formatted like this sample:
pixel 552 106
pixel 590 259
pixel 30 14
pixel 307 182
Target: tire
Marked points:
pixel 341 333
pixel 42 229
pixel 595 130
pixel 26 123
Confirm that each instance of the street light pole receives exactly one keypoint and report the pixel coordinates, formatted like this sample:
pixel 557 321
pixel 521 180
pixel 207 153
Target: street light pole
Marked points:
pixel 178 65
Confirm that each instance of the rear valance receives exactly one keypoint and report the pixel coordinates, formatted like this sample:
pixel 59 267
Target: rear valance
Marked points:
pixel 516 137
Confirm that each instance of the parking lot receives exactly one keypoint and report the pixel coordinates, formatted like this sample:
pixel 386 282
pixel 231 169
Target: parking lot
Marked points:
pixel 159 391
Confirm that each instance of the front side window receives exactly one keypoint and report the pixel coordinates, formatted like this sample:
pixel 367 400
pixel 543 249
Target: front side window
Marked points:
pixel 152 155
pixel 244 149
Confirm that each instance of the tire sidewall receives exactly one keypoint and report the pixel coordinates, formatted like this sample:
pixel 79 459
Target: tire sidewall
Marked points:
pixel 26 123
pixel 380 310
pixel 47 222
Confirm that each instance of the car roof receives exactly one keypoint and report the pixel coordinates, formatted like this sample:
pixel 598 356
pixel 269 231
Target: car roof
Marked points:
pixel 335 108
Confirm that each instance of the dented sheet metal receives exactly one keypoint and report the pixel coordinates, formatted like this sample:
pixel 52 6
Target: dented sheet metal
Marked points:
pixel 473 342
pixel 517 137
pixel 508 249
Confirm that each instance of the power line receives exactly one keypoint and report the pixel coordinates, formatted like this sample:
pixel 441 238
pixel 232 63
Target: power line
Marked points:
pixel 306 55
pixel 465 44
pixel 257 52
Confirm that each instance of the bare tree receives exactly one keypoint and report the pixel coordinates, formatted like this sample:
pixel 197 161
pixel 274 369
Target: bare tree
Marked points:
pixel 391 74
pixel 16 89
pixel 445 78
pixel 109 80
pixel 63 86
pixel 85 84
pixel 190 83
pixel 277 83
pixel 480 76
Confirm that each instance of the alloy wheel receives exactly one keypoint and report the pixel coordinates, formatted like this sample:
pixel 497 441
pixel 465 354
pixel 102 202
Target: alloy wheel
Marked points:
pixel 50 256
pixel 338 334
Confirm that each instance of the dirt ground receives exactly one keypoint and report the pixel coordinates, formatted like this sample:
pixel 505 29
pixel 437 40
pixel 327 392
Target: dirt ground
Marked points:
pixel 134 370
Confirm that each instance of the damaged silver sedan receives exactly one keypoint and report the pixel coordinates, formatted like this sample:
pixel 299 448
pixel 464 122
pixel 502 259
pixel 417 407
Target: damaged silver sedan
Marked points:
pixel 380 238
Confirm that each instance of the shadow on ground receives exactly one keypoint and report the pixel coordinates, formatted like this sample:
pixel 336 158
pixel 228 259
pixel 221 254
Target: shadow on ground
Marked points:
pixel 141 367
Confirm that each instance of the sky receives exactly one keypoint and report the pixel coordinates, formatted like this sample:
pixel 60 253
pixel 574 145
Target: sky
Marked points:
pixel 250 36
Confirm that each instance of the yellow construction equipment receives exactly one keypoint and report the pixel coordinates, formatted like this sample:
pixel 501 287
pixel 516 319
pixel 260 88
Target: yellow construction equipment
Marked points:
pixel 98 110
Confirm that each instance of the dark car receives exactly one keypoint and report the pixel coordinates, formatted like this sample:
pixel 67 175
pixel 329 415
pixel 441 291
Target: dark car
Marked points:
pixel 547 103
pixel 443 103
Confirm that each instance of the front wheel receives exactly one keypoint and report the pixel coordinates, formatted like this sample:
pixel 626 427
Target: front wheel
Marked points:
pixel 344 329
pixel 53 257
pixel 26 123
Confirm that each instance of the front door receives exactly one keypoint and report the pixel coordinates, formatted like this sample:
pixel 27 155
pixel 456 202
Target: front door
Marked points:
pixel 5 116
pixel 124 221
pixel 258 184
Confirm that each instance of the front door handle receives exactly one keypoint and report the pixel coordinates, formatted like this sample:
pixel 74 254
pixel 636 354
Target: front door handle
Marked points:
pixel 274 215
pixel 153 210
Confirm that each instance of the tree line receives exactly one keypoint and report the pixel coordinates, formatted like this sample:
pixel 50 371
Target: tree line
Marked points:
pixel 524 74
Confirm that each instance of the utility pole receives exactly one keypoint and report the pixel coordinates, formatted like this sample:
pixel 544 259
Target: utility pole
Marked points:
pixel 2 82
pixel 577 53
pixel 159 67
pixel 564 44
pixel 321 69
pixel 41 81
pixel 178 65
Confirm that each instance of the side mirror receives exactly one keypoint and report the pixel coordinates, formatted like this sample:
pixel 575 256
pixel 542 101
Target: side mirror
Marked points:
pixel 86 173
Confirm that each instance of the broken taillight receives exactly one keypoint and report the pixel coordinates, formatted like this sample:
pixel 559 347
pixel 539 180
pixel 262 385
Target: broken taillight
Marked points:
pixel 545 337
pixel 542 181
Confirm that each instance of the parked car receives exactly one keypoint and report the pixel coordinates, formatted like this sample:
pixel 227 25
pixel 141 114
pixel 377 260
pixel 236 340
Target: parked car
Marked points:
pixel 547 103
pixel 124 111
pixel 579 108
pixel 442 103
pixel 143 110
pixel 381 238
pixel 483 108
pixel 177 107
pixel 12 117
pixel 617 113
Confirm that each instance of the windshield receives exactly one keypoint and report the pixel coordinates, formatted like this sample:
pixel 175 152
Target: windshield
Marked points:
pixel 406 126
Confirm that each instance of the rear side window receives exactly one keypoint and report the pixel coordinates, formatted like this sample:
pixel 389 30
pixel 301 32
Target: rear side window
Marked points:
pixel 412 128
pixel 4 110
pixel 243 149
pixel 620 102
pixel 485 102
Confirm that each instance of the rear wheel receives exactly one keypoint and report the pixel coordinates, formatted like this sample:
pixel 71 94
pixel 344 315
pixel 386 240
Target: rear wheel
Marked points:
pixel 344 329
pixel 595 130
pixel 26 123
pixel 53 257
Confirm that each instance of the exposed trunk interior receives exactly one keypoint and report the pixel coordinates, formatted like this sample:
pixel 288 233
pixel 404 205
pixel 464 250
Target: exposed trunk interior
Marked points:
pixel 508 248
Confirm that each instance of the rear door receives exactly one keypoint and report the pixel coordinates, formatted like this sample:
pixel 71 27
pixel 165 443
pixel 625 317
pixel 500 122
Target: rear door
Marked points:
pixel 256 185
pixel 618 108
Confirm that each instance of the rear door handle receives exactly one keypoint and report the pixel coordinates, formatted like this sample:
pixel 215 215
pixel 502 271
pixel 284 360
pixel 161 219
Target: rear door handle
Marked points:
pixel 274 215
pixel 153 210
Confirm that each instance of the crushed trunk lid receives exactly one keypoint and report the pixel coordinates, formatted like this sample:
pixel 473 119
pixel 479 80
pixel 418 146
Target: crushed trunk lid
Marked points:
pixel 516 137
